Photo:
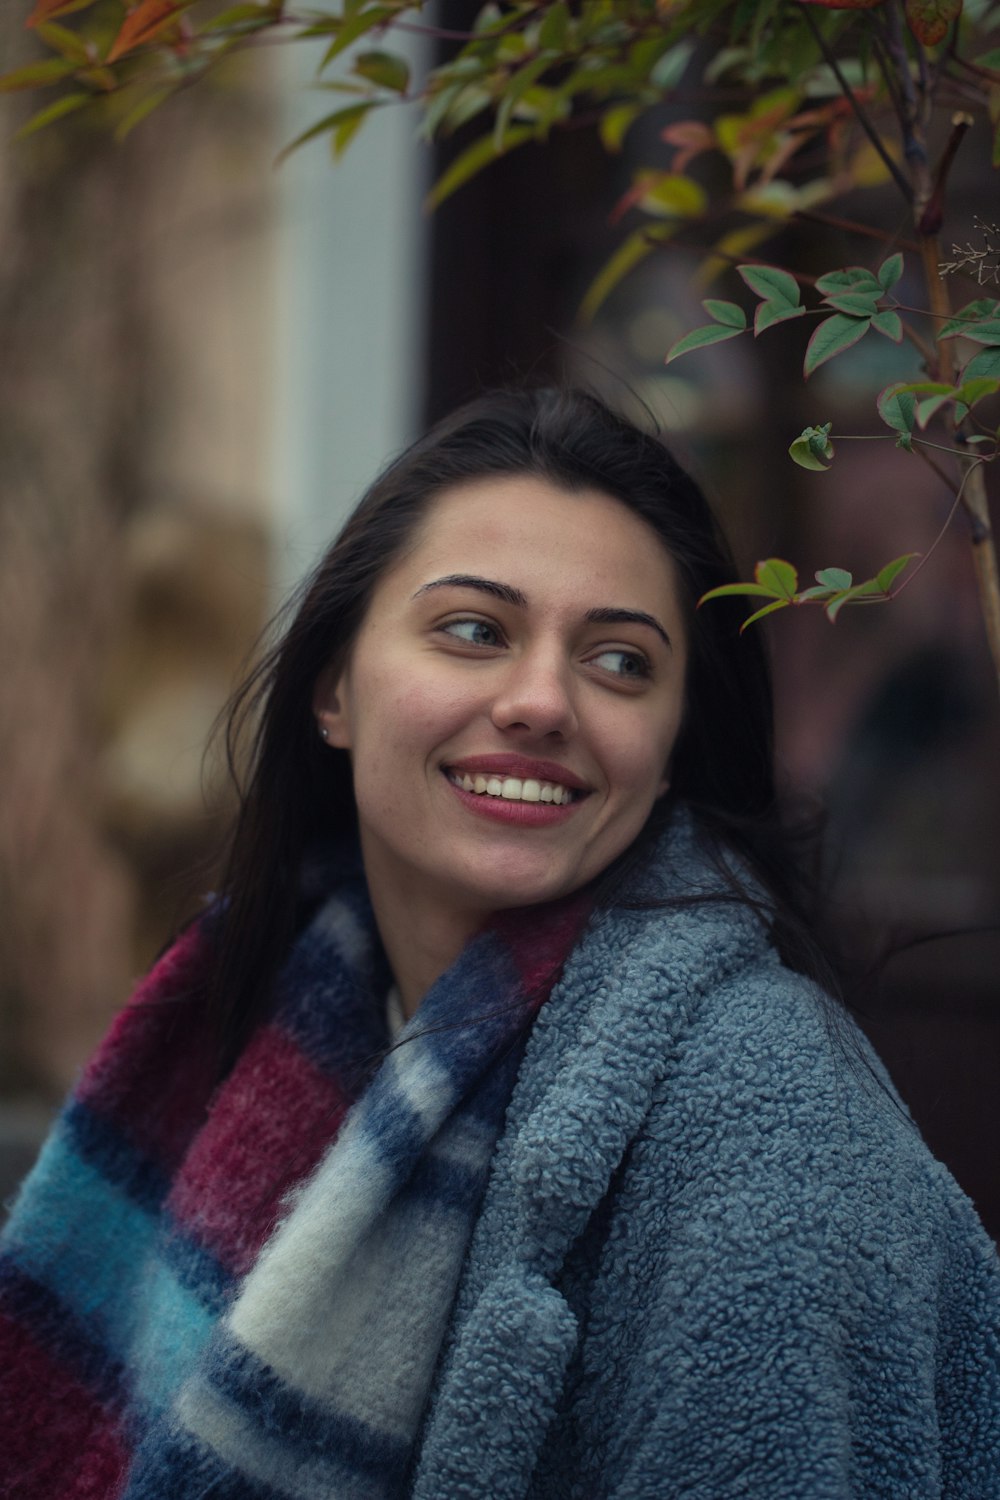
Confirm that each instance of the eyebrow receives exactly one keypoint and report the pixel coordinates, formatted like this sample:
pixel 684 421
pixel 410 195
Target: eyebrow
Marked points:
pixel 607 615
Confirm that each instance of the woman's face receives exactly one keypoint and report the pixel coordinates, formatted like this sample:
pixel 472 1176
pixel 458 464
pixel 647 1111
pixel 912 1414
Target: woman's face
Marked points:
pixel 512 698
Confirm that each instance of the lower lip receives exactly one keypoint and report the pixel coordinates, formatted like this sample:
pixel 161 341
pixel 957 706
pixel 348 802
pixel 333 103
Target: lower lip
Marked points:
pixel 505 810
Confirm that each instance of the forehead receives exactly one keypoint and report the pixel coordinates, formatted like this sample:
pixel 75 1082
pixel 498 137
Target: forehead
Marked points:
pixel 554 540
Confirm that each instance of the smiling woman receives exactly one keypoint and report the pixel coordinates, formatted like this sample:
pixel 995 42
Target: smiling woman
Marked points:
pixel 509 705
pixel 490 1135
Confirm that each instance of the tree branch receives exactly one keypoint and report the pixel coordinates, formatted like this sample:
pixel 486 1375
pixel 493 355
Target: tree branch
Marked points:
pixel 862 115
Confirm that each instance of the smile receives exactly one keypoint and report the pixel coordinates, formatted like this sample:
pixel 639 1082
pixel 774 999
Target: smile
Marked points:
pixel 514 788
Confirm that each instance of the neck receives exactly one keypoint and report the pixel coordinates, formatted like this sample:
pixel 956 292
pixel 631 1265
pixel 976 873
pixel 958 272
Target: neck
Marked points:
pixel 421 940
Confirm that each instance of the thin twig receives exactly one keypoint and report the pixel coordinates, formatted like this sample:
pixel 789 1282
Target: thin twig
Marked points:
pixel 932 463
pixel 862 116
pixel 992 74
pixel 940 536
pixel 851 226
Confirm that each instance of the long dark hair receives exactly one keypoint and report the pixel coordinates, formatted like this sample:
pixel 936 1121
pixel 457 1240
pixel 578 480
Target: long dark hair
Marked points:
pixel 298 791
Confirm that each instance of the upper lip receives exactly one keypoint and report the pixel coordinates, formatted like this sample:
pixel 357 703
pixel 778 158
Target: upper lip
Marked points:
pixel 502 764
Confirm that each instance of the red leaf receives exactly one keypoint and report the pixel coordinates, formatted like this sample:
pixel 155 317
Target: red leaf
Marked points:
pixel 51 10
pixel 929 19
pixel 143 23
pixel 691 137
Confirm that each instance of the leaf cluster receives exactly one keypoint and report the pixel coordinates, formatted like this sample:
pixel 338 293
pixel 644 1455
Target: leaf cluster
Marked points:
pixel 856 295
pixel 777 581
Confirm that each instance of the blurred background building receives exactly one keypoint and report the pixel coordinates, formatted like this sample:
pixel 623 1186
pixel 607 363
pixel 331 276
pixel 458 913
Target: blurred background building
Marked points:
pixel 203 361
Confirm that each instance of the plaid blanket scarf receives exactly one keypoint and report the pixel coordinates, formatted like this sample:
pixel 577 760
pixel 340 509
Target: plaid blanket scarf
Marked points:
pixel 241 1289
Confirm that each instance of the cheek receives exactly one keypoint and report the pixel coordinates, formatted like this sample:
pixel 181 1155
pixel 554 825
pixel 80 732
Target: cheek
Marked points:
pixel 637 756
pixel 404 716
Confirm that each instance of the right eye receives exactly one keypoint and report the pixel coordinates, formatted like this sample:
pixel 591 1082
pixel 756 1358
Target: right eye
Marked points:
pixel 474 632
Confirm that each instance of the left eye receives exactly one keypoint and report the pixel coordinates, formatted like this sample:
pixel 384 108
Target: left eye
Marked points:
pixel 476 632
pixel 622 663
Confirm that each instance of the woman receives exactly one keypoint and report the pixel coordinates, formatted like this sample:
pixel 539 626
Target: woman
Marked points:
pixel 623 1206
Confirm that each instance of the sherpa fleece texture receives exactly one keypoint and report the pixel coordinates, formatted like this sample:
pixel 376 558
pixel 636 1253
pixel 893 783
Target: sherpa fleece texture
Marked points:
pixel 714 1259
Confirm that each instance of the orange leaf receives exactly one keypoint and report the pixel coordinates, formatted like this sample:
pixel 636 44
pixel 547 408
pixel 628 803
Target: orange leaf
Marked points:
pixel 51 10
pixel 143 23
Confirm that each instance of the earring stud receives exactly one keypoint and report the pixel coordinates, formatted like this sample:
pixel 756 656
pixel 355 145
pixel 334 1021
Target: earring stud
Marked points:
pixel 324 732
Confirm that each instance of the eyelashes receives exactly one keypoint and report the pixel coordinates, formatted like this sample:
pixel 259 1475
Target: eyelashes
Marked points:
pixel 626 665
pixel 473 632
pixel 631 664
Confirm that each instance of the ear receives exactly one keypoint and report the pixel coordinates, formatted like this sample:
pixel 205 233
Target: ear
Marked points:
pixel 330 704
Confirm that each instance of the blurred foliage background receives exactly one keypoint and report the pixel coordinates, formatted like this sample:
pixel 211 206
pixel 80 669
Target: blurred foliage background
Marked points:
pixel 205 359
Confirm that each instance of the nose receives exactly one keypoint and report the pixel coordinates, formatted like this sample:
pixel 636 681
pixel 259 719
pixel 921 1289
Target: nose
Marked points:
pixel 536 696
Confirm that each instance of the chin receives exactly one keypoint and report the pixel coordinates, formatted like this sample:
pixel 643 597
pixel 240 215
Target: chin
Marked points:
pixel 504 884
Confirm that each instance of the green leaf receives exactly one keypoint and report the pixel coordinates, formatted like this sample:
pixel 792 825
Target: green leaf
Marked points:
pixel 672 195
pixel 143 107
pixel 767 610
pixel 834 578
pixel 772 284
pixel 972 312
pixel 348 126
pixel 849 279
pixel 698 338
pixel 890 271
pixel 729 313
pixel 889 324
pixel 352 28
pixel 812 448
pixel 846 596
pixel 515 91
pixel 614 123
pixel 553 33
pixel 734 590
pixel 61 39
pixel 37 74
pixel 463 103
pixel 778 576
pixel 936 394
pixel 886 577
pixel 897 407
pixel 985 331
pixel 64 106
pixel 769 313
pixel 971 391
pixel 858 304
pixel 873 589
pixel 330 123
pixel 927 409
pixel 472 160
pixel 384 68
pixel 818 591
pixel 239 15
pixel 671 66
pixel 987 362
pixel 628 255
pixel 833 336
pixel 925 387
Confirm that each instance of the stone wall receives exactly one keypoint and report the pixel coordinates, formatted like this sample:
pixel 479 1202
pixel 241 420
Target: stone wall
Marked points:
pixel 135 284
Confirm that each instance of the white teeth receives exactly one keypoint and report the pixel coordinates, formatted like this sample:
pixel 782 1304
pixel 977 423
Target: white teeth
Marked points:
pixel 512 788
